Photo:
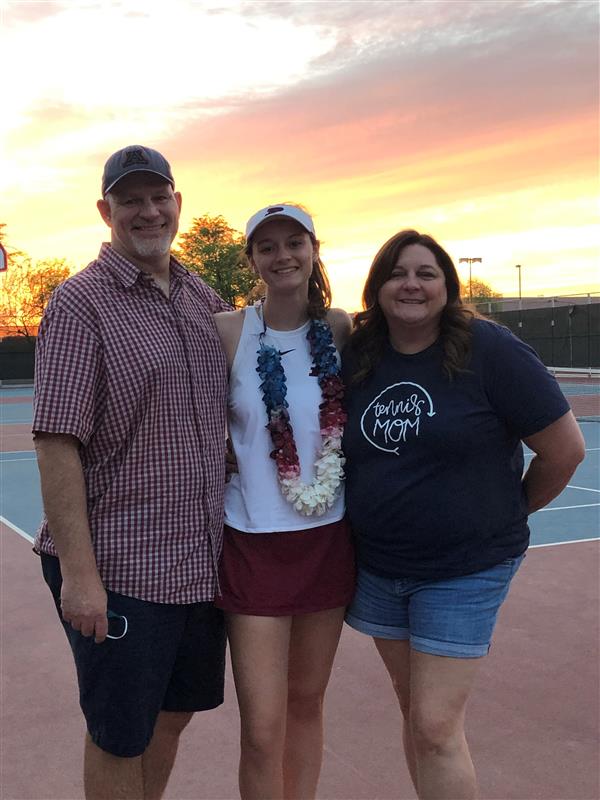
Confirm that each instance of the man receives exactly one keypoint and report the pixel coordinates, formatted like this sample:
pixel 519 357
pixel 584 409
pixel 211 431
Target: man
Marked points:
pixel 130 390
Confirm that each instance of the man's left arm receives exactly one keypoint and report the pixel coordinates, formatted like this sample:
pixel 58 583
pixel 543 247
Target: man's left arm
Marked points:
pixel 83 597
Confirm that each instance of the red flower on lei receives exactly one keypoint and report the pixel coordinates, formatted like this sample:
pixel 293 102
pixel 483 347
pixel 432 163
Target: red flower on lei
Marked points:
pixel 317 497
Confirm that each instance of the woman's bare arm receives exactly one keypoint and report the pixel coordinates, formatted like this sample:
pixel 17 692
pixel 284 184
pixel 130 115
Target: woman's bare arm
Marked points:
pixel 558 449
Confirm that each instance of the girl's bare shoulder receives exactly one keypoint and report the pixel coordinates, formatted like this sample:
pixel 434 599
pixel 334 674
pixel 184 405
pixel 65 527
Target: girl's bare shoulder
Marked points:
pixel 228 322
pixel 341 326
pixel 229 327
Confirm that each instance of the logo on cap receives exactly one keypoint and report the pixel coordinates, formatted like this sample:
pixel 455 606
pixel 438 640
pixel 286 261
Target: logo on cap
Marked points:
pixel 273 210
pixel 136 156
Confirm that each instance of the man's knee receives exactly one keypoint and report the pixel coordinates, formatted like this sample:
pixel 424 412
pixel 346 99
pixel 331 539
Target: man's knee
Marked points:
pixel 107 775
pixel 172 723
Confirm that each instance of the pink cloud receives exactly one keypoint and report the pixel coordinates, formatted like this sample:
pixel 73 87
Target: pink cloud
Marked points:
pixel 20 13
pixel 400 105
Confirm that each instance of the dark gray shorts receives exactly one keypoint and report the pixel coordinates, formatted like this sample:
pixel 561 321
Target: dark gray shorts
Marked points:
pixel 172 658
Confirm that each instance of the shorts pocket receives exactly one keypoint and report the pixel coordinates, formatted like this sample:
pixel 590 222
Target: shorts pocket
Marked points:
pixel 513 563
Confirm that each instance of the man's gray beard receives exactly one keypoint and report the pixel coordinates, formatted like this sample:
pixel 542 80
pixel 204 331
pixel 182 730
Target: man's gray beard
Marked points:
pixel 148 248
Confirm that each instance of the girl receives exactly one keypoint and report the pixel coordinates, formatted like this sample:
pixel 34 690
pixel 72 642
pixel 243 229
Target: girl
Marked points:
pixel 287 570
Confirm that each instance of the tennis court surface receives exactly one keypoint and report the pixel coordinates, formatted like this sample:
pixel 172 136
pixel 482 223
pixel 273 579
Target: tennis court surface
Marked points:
pixel 532 723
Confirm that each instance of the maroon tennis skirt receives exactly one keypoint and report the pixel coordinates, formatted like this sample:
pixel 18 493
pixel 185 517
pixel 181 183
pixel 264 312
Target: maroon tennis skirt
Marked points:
pixel 293 572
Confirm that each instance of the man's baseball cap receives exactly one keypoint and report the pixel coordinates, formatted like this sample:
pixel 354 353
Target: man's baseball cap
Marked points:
pixel 276 212
pixel 134 158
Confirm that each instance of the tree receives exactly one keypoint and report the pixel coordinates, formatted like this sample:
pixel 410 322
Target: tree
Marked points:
pixel 215 251
pixel 3 250
pixel 26 289
pixel 257 292
pixel 481 292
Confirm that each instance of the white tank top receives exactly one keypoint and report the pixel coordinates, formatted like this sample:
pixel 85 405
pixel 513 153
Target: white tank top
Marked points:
pixel 253 499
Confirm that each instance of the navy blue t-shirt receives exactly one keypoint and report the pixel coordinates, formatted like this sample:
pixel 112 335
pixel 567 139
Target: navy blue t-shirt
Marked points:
pixel 434 467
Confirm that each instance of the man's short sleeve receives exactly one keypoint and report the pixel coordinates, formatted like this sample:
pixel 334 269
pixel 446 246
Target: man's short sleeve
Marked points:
pixel 215 302
pixel 520 387
pixel 67 375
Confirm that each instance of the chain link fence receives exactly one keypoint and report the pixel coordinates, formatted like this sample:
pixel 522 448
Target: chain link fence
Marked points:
pixel 564 331
pixel 16 359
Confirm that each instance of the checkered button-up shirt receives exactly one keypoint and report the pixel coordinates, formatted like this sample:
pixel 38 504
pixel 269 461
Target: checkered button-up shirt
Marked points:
pixel 140 380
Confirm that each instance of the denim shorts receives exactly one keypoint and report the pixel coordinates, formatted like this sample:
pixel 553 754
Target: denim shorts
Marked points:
pixel 171 658
pixel 453 617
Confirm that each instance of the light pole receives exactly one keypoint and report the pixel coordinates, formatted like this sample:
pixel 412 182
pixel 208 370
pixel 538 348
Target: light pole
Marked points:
pixel 518 266
pixel 470 261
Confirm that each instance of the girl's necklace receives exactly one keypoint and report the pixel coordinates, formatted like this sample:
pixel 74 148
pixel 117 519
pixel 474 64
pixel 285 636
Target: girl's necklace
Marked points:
pixel 318 496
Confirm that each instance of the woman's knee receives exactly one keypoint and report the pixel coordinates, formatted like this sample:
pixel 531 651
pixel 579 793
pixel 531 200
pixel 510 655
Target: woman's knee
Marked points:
pixel 403 694
pixel 436 731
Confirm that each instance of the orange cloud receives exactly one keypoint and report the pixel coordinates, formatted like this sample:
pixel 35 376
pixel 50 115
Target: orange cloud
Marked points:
pixel 475 120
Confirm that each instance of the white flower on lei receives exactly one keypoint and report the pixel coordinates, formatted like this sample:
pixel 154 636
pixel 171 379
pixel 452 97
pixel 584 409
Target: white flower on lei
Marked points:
pixel 318 496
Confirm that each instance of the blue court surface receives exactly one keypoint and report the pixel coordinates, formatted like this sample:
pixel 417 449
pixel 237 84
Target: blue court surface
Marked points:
pixel 573 516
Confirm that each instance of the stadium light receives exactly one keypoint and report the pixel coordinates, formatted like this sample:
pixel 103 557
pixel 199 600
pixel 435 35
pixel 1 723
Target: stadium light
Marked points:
pixel 518 266
pixel 470 261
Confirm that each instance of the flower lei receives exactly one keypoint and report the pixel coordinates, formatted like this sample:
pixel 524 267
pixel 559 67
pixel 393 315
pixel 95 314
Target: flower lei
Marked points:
pixel 317 497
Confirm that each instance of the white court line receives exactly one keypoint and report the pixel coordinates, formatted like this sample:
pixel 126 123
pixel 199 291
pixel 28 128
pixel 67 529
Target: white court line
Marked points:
pixel 566 508
pixel 10 460
pixel 582 488
pixel 567 541
pixel 17 530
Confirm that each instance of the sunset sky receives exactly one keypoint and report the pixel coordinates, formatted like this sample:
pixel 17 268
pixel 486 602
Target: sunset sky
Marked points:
pixel 476 121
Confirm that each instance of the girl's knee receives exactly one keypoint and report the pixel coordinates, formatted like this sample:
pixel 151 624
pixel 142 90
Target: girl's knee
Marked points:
pixel 305 704
pixel 263 739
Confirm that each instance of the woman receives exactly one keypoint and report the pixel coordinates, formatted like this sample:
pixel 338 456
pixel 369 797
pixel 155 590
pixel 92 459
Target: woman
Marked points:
pixel 287 570
pixel 438 402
